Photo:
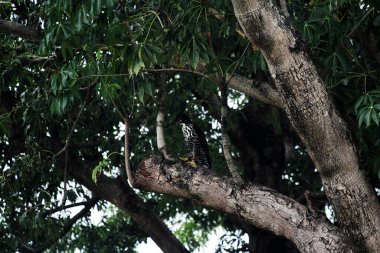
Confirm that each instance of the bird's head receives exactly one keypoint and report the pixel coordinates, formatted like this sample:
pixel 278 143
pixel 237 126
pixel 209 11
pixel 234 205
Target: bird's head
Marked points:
pixel 183 119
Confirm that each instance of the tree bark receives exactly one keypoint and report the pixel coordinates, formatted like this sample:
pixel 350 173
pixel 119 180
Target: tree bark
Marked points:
pixel 315 119
pixel 122 196
pixel 17 29
pixel 258 205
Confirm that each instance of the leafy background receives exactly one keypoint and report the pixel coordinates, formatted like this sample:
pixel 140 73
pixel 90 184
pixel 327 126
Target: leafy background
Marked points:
pixel 107 57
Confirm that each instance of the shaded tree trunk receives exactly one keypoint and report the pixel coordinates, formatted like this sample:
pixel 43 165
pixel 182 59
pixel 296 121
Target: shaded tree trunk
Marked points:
pixel 315 119
pixel 263 157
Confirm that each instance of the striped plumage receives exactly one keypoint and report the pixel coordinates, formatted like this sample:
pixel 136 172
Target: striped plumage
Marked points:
pixel 195 141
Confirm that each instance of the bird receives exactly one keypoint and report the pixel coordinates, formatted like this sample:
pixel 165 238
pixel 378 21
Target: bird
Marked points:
pixel 195 142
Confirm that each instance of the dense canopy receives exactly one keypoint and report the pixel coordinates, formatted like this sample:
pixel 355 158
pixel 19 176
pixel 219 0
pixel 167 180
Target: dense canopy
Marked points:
pixel 74 73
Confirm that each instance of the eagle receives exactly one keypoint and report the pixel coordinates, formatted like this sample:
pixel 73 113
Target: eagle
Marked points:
pixel 195 142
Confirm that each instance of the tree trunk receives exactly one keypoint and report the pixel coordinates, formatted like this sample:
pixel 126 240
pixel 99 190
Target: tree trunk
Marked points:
pixel 316 120
pixel 258 205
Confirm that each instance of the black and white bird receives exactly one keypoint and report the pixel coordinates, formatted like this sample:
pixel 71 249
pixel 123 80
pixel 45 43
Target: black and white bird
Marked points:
pixel 195 141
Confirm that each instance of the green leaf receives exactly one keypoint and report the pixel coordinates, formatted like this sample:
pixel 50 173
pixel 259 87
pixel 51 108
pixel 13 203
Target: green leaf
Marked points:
pixel 53 84
pixel 78 23
pixel 140 94
pixel 148 88
pixel 377 106
pixel 361 119
pixel 95 172
pixel 376 21
pixel 375 117
pixel 367 118
pixel 194 59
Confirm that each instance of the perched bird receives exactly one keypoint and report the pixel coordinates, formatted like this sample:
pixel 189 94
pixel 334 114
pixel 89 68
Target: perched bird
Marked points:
pixel 195 141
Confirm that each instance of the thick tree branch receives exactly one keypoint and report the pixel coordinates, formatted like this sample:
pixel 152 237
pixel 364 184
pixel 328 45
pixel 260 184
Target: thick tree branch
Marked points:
pixel 122 196
pixel 260 90
pixel 258 205
pixel 19 30
pixel 316 120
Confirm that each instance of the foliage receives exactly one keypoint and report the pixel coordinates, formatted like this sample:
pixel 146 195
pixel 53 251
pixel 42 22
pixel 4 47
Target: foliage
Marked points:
pixel 108 56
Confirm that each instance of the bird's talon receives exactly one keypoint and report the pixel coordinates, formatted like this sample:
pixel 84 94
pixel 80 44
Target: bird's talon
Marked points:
pixel 191 163
pixel 185 159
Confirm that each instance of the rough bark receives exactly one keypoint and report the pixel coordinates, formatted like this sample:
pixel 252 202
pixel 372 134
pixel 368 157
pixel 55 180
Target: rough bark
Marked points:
pixel 17 29
pixel 316 120
pixel 260 90
pixel 258 205
pixel 122 196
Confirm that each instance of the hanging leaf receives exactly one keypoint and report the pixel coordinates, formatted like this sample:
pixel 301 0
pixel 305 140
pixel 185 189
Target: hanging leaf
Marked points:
pixel 194 59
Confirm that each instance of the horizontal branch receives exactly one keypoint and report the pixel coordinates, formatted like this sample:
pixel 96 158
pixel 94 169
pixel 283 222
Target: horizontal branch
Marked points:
pixel 258 205
pixel 260 90
pixel 17 29
pixel 122 196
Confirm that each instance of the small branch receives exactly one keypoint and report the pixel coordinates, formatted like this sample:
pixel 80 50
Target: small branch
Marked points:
pixel 177 70
pixel 216 14
pixel 226 143
pixel 66 228
pixel 68 138
pixel 261 90
pixel 284 9
pixel 360 22
pixel 60 208
pixel 20 30
pixel 65 148
pixel 126 152
pixel 161 145
pixel 32 59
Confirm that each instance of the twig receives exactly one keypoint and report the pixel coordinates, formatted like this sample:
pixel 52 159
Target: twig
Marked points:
pixel 360 21
pixel 225 139
pixel 65 148
pixel 68 139
pixel 178 70
pixel 35 59
pixel 126 151
pixel 66 228
pixel 60 208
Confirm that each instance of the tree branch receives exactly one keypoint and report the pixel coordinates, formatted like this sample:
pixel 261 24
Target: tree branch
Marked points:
pixel 258 205
pixel 122 196
pixel 284 9
pixel 126 151
pixel 13 28
pixel 66 228
pixel 60 208
pixel 226 143
pixel 161 145
pixel 261 90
